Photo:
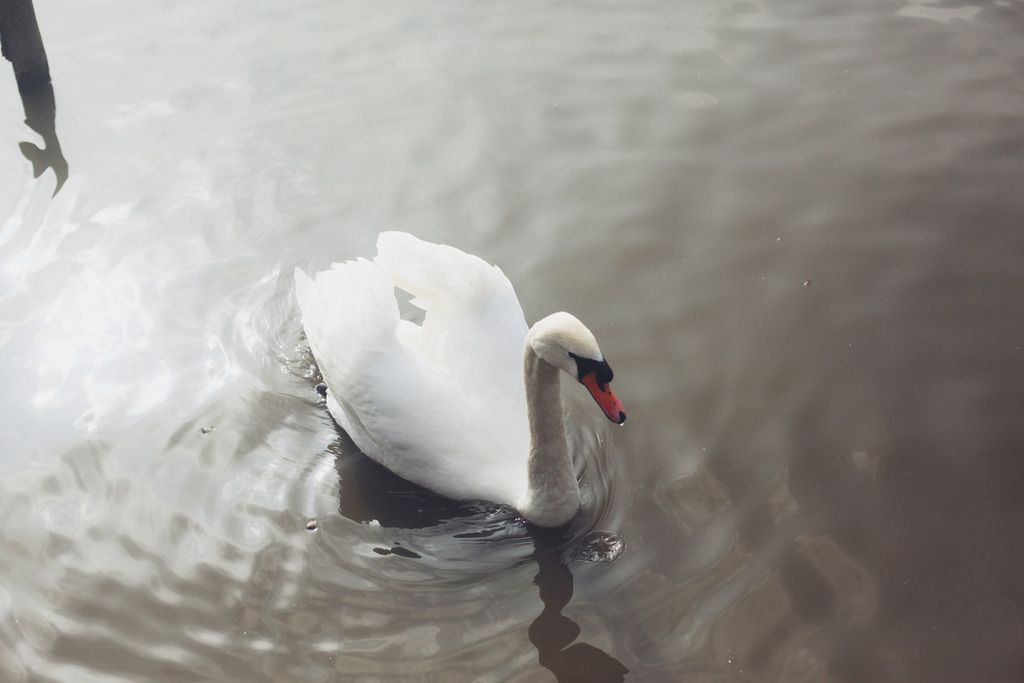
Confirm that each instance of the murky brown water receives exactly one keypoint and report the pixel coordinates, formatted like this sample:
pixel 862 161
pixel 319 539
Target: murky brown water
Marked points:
pixel 795 229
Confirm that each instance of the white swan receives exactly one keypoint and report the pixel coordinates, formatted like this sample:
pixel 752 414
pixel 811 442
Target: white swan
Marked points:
pixel 444 404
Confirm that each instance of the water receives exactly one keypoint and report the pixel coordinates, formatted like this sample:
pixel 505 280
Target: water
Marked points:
pixel 794 228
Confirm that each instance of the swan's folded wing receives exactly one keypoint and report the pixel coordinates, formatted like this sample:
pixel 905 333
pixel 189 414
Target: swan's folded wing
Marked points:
pixel 474 326
pixel 397 405
pixel 424 430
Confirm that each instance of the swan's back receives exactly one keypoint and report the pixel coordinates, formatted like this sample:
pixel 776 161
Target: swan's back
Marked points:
pixel 442 404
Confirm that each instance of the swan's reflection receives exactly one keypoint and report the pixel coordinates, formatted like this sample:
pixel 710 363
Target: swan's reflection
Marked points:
pixel 23 46
pixel 552 633
pixel 369 491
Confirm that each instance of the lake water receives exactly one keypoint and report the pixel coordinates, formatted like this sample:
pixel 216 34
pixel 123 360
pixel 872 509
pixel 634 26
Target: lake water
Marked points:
pixel 795 228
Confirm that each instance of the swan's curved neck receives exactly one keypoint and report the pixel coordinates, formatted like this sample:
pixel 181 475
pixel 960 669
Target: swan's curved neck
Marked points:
pixel 553 496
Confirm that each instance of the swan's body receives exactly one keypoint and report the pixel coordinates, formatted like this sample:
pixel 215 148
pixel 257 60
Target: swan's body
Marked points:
pixel 466 404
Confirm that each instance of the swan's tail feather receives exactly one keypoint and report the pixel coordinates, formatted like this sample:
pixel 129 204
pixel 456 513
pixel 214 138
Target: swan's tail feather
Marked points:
pixel 348 312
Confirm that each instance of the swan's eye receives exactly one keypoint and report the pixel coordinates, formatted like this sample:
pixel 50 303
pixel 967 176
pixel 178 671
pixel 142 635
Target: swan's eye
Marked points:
pixel 584 366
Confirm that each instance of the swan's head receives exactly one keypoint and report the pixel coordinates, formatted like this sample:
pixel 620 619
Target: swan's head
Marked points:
pixel 564 342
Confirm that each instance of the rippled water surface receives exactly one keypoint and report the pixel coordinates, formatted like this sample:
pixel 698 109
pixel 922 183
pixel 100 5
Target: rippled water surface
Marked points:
pixel 794 227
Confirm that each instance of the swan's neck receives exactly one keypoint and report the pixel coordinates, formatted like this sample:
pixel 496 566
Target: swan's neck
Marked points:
pixel 553 496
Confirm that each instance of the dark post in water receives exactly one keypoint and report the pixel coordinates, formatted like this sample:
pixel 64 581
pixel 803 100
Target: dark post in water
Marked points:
pixel 22 44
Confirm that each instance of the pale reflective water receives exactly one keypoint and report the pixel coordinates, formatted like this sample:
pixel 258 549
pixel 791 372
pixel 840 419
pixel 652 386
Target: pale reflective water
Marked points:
pixel 795 229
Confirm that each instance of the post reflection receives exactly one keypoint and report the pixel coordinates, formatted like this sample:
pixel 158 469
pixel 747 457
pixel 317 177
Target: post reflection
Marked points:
pixel 22 45
pixel 40 116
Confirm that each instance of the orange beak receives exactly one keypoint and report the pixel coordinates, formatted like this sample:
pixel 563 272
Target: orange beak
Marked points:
pixel 602 393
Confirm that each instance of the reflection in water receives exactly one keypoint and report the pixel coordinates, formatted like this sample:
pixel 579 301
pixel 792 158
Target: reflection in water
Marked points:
pixel 553 633
pixel 23 46
pixel 40 115
pixel 370 493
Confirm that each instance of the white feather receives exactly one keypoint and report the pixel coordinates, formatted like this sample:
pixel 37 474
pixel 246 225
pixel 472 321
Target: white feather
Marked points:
pixel 442 405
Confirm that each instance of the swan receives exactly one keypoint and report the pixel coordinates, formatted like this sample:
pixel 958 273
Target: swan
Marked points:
pixel 467 403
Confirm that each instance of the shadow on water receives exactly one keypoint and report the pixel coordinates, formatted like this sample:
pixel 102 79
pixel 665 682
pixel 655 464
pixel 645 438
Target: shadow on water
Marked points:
pixel 22 45
pixel 369 491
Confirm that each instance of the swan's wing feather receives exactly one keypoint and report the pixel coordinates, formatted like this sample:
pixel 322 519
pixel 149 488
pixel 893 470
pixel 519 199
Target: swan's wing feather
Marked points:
pixel 474 326
pixel 425 430
pixel 400 408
